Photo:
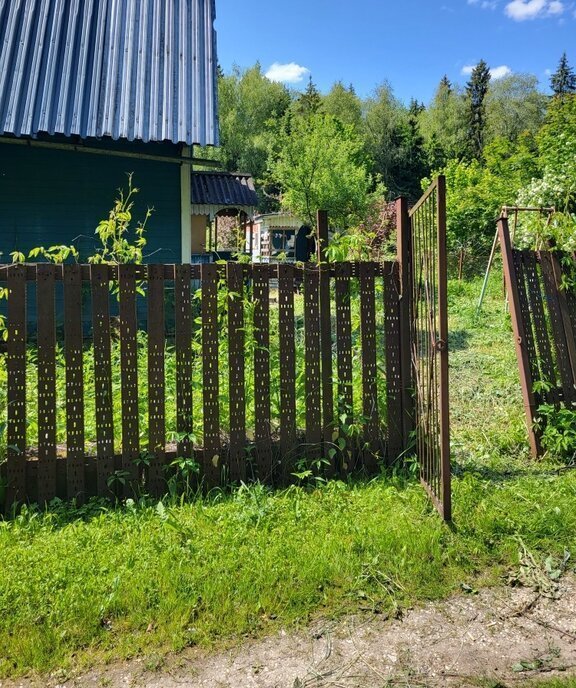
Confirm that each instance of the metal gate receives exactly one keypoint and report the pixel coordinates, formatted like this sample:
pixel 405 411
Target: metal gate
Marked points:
pixel 429 342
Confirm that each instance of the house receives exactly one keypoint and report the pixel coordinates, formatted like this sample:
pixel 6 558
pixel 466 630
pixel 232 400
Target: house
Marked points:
pixel 91 90
pixel 220 198
pixel 279 235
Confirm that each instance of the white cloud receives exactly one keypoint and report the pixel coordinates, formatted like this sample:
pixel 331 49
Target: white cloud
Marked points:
pixel 495 72
pixel 521 10
pixel 290 73
pixel 500 72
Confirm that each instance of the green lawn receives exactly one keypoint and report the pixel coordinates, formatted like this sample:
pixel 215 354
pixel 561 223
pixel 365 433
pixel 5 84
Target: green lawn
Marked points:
pixel 83 586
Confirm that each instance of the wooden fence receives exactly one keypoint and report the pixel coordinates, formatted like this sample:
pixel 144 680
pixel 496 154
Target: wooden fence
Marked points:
pixel 542 295
pixel 268 368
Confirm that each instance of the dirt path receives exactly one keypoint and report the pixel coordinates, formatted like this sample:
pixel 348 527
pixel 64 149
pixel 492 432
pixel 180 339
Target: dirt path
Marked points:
pixel 507 635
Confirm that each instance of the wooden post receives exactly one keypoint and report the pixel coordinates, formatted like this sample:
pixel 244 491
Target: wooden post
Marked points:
pixel 526 381
pixel 404 257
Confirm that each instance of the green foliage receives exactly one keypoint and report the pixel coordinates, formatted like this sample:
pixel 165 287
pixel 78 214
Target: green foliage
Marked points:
pixel 558 430
pixel 556 185
pixel 514 106
pixel 443 125
pixel 476 91
pixel 394 143
pixel 474 198
pixel 250 108
pixel 119 246
pixel 321 164
pixel 563 80
pixel 343 103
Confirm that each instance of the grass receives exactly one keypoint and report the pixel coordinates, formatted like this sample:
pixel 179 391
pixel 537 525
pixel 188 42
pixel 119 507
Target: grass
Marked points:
pixel 83 586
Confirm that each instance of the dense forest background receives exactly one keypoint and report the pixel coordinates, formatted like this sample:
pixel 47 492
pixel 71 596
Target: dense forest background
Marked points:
pixel 498 141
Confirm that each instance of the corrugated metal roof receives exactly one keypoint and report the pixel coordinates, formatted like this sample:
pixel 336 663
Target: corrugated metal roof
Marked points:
pixel 223 189
pixel 133 69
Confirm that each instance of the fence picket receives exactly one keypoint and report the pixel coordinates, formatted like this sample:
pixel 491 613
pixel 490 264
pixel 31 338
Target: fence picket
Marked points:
pixel 262 435
pixel 393 360
pixel 99 277
pixel 129 373
pixel 46 340
pixel 16 392
pixel 312 360
pixel 343 272
pixel 156 381
pixel 367 273
pixel 212 446
pixel 287 367
pixel 183 343
pixel 236 372
pixel 73 356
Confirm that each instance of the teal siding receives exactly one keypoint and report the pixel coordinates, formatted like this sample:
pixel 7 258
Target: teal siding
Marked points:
pixel 52 197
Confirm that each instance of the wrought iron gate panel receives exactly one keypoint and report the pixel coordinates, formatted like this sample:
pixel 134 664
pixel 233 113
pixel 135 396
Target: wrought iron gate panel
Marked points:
pixel 429 343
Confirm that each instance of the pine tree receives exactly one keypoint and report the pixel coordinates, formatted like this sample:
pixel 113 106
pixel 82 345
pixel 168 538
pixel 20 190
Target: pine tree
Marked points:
pixel 476 90
pixel 563 80
pixel 309 102
pixel 446 84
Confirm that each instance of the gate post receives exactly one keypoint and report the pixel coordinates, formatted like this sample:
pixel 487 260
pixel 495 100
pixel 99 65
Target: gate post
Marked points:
pixel 404 257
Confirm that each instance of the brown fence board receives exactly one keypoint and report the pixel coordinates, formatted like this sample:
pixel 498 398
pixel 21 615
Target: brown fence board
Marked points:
pixel 344 338
pixel 547 369
pixel 287 365
pixel 16 392
pixel 565 314
pixel 369 368
pixel 343 272
pixel 47 404
pixel 556 321
pixel 183 344
pixel 79 475
pixel 156 382
pixel 211 394
pixel 102 375
pixel 393 360
pixel 312 360
pixel 262 435
pixel 236 372
pixel 129 373
pixel 526 315
pixel 325 328
pixel 73 356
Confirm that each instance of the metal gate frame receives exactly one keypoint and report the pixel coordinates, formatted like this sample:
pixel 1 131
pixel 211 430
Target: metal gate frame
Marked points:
pixel 422 253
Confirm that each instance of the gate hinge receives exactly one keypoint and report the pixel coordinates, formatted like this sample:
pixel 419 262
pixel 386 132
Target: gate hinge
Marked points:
pixel 440 345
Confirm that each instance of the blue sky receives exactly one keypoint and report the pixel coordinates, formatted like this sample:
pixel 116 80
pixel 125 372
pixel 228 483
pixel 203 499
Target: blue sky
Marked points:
pixel 410 43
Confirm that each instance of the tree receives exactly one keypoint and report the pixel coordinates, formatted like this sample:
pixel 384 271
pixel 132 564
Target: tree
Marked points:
pixel 321 164
pixel 473 201
pixel 250 107
pixel 443 125
pixel 563 80
pixel 344 104
pixel 309 102
pixel 385 123
pixel 514 105
pixel 476 90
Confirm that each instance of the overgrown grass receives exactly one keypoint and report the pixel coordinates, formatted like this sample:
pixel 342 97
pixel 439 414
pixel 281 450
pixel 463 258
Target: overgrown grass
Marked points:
pixel 80 586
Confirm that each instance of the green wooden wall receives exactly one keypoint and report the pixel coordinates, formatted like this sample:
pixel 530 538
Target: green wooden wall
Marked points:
pixel 51 197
